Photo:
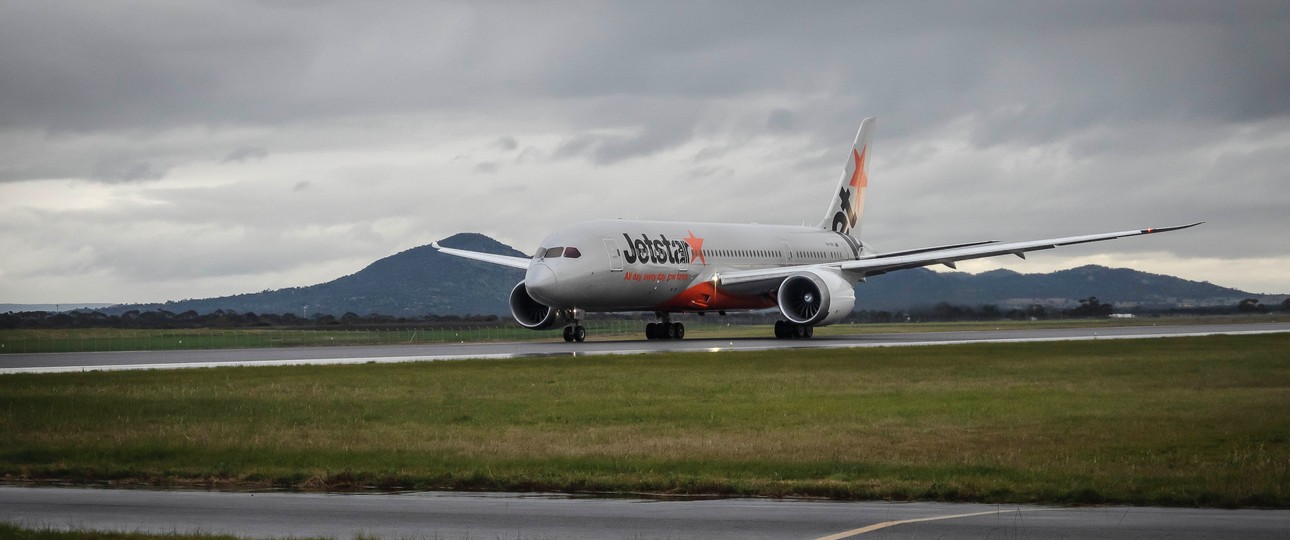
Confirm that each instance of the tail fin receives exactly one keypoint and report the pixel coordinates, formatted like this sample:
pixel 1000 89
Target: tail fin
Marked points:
pixel 847 204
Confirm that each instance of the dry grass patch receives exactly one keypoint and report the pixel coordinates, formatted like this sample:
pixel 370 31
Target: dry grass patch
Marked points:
pixel 1170 421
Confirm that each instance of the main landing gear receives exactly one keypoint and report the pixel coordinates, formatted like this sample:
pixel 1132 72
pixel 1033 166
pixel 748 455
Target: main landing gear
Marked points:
pixel 575 332
pixel 665 329
pixel 788 330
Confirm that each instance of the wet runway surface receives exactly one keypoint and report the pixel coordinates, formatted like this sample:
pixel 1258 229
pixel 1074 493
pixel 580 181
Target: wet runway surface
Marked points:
pixel 55 362
pixel 507 516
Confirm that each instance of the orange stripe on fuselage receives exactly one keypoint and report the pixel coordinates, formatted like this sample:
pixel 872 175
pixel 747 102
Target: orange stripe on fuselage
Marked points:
pixel 706 297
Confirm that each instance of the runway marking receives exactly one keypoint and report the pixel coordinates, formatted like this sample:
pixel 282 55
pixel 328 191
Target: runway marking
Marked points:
pixel 886 524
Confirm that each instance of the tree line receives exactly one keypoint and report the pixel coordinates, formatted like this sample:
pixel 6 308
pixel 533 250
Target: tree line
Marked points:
pixel 221 318
pixel 1090 307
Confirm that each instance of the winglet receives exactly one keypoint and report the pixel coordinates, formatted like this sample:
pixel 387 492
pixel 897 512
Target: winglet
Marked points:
pixel 1151 230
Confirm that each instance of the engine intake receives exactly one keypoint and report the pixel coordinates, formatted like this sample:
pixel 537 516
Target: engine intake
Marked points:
pixel 528 312
pixel 816 298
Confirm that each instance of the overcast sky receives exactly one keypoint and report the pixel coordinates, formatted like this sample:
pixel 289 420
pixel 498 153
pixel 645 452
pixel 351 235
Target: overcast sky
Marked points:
pixel 155 151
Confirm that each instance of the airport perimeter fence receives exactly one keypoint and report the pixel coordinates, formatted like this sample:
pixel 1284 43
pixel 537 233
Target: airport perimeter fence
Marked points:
pixel 113 339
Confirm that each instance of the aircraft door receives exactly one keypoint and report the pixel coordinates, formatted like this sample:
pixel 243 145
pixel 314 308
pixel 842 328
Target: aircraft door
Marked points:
pixel 788 254
pixel 615 255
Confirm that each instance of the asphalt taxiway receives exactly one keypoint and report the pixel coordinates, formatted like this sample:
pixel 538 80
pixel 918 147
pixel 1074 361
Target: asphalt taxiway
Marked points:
pixel 89 361
pixel 501 515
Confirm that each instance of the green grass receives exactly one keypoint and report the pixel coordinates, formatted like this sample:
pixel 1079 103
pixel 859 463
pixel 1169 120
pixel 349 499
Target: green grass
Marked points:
pixel 15 341
pixel 14 532
pixel 1183 421
pixel 9 531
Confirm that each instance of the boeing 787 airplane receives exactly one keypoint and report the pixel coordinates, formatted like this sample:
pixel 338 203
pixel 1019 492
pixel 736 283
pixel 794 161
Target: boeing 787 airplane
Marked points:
pixel 668 267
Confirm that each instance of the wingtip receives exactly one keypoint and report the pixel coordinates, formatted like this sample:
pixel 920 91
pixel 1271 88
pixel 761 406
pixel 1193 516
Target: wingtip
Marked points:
pixel 1167 229
pixel 435 245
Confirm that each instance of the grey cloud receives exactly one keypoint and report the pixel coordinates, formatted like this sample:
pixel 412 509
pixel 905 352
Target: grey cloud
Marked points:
pixel 125 169
pixel 245 153
pixel 704 172
pixel 531 153
pixel 506 143
pixel 780 120
pixel 610 149
pixel 635 130
pixel 220 63
pixel 1143 105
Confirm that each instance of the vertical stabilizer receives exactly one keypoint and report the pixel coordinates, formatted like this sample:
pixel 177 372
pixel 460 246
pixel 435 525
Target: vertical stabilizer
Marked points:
pixel 847 203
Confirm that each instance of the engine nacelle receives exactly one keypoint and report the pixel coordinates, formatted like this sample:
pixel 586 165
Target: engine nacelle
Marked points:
pixel 528 312
pixel 816 298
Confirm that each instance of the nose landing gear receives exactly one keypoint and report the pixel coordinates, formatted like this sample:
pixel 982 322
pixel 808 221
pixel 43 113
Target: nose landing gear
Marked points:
pixel 573 331
pixel 665 329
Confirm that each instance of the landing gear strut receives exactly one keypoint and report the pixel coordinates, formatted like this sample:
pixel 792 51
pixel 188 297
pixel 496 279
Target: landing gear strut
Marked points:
pixel 788 330
pixel 665 329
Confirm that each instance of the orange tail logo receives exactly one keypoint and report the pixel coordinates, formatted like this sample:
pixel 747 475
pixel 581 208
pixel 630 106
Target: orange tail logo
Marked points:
pixel 851 199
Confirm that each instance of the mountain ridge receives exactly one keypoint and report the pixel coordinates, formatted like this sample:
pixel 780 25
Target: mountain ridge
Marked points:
pixel 421 281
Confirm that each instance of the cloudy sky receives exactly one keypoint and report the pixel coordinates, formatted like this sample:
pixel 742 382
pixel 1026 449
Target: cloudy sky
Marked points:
pixel 157 151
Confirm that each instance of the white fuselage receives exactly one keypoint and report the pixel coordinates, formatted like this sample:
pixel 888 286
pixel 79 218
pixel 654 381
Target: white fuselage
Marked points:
pixel 624 265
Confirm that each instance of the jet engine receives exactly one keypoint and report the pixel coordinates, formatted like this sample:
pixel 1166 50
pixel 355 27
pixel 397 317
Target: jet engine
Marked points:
pixel 528 312
pixel 816 298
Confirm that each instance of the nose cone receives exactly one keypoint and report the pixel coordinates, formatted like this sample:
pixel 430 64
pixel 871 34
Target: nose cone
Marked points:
pixel 541 283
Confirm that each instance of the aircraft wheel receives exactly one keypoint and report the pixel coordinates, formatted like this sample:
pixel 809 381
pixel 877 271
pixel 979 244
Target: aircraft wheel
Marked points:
pixel 667 331
pixel 809 332
pixel 799 331
pixel 678 330
pixel 579 334
pixel 779 330
pixel 649 331
pixel 568 334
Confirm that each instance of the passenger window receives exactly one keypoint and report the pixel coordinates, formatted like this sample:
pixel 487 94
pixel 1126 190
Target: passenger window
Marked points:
pixel 554 252
pixel 572 252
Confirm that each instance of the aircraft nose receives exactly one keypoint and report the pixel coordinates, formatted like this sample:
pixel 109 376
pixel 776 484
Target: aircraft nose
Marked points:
pixel 539 281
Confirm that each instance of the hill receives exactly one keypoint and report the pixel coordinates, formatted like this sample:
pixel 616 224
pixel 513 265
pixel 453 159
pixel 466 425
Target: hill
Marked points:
pixel 415 282
pixel 1123 287
pixel 422 281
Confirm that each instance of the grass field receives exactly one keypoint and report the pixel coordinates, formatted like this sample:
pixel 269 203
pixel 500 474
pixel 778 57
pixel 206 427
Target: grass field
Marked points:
pixel 1183 421
pixel 15 532
pixel 15 341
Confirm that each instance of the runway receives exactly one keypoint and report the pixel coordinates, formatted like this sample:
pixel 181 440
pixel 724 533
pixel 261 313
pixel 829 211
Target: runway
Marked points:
pixel 67 362
pixel 465 515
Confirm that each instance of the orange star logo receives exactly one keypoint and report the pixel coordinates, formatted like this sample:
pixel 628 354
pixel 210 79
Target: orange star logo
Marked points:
pixel 858 178
pixel 696 247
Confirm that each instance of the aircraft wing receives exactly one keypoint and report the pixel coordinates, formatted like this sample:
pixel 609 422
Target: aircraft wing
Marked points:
pixel 882 263
pixel 504 260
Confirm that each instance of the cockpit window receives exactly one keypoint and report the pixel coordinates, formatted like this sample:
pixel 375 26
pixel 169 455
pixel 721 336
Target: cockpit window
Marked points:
pixel 539 253
pixel 554 252
pixel 572 252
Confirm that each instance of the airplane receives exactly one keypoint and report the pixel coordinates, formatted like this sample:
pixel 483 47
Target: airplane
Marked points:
pixel 668 267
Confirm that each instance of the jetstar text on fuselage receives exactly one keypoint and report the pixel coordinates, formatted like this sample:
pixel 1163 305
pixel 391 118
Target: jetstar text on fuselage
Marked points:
pixel 660 250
